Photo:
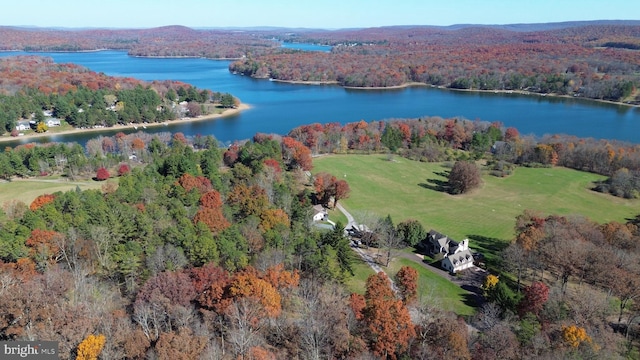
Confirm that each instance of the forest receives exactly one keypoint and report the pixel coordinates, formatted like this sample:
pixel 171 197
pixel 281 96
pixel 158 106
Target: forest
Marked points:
pixel 594 60
pixel 201 252
pixel 194 251
pixel 32 85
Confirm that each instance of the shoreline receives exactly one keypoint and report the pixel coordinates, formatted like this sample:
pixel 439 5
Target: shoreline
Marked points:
pixel 302 82
pixel 419 84
pixel 140 127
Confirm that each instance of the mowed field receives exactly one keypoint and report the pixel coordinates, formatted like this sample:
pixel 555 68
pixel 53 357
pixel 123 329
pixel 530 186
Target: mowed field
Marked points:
pixel 408 189
pixel 26 190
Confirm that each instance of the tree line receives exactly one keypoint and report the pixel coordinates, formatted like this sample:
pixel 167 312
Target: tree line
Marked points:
pixel 434 139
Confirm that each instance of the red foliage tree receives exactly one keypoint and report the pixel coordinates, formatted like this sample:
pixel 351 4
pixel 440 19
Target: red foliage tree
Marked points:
pixel 102 174
pixel 180 138
pixel 176 287
pixel 231 155
pixel 511 134
pixel 190 182
pixel 123 169
pixel 535 295
pixel 341 190
pixel 211 199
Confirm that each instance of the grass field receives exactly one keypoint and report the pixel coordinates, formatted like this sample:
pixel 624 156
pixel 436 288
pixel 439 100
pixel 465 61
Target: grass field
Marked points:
pixel 26 190
pixel 407 189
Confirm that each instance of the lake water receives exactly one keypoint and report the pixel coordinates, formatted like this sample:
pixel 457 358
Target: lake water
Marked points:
pixel 279 107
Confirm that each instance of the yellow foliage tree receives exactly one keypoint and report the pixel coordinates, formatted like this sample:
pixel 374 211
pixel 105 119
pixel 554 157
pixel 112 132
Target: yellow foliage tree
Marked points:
pixel 575 335
pixel 41 127
pixel 90 348
pixel 490 282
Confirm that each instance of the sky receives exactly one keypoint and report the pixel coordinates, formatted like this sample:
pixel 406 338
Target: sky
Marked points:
pixel 325 14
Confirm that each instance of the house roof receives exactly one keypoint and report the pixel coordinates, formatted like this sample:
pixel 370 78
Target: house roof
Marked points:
pixel 462 257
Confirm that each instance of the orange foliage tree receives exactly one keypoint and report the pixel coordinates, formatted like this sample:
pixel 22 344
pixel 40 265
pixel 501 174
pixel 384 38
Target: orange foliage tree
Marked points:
pixel 248 284
pixel 44 246
pixel 407 283
pixel 273 219
pixel 387 318
pixel 296 154
pixel 190 182
pixel 575 335
pixel 41 201
pixel 210 212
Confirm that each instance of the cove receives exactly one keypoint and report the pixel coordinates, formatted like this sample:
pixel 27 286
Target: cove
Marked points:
pixel 278 107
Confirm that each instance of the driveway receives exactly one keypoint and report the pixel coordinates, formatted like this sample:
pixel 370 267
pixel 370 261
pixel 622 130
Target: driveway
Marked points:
pixel 469 280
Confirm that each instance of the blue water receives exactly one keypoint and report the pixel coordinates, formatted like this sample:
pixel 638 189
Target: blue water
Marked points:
pixel 279 107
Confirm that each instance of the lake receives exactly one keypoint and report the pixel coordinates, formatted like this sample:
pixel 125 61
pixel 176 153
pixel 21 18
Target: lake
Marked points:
pixel 278 107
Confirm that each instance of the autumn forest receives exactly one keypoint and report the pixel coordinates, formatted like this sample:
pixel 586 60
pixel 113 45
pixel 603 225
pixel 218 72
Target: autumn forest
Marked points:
pixel 189 250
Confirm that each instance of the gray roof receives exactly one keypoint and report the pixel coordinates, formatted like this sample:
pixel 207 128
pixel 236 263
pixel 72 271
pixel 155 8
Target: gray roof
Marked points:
pixel 461 257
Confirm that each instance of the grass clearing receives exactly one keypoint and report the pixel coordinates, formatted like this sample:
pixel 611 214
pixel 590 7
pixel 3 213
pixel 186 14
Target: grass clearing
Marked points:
pixel 433 288
pixel 407 189
pixel 26 190
pixel 361 271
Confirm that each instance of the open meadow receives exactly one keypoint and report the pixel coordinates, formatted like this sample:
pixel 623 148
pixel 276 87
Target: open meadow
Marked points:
pixel 26 190
pixel 407 189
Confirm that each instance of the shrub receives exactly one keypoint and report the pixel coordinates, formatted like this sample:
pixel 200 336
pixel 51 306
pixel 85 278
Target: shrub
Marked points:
pixel 102 174
pixel 123 169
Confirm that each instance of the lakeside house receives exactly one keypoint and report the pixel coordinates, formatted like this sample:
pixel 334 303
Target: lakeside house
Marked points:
pixel 23 125
pixel 456 255
pixel 52 122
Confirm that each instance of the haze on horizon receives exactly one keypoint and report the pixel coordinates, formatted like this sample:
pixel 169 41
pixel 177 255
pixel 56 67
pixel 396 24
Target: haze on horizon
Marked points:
pixel 329 14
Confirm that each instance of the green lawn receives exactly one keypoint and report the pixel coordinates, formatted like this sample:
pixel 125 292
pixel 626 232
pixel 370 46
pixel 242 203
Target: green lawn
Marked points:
pixel 431 288
pixel 436 290
pixel 361 271
pixel 407 189
pixel 26 190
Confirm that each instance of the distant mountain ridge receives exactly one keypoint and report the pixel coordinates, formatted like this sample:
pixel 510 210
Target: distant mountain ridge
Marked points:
pixel 181 28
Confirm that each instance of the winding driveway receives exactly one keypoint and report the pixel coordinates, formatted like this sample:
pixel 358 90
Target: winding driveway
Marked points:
pixel 470 281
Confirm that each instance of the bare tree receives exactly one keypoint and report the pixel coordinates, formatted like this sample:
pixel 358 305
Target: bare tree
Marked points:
pixel 245 324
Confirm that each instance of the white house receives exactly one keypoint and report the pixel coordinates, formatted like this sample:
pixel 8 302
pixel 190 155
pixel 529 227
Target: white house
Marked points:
pixel 456 255
pixel 23 125
pixel 52 122
pixel 320 213
pixel 458 261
